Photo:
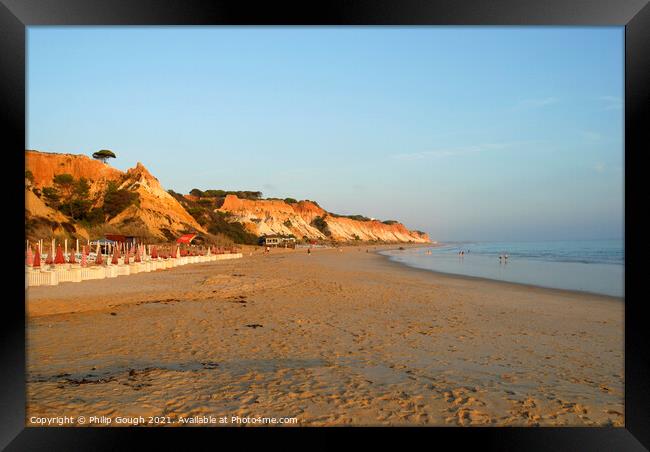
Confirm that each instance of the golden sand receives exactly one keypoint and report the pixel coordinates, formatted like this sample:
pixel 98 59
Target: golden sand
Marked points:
pixel 335 337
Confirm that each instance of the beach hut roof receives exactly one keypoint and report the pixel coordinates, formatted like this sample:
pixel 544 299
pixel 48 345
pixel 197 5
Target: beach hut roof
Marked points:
pixel 186 238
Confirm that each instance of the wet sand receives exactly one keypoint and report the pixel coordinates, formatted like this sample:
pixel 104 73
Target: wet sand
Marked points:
pixel 332 338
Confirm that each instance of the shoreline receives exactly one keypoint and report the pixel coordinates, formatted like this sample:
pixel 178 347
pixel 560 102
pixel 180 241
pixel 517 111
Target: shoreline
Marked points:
pixel 482 278
pixel 500 281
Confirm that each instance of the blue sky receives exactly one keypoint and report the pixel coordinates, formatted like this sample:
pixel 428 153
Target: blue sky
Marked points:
pixel 468 133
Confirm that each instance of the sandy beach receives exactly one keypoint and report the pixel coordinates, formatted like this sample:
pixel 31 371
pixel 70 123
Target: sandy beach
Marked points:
pixel 332 338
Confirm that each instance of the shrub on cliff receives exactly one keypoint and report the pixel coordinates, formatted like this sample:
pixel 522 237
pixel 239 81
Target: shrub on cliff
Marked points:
pixel 235 231
pixel 116 200
pixel 351 217
pixel 52 197
pixel 241 194
pixel 75 202
pixel 320 224
pixel 96 215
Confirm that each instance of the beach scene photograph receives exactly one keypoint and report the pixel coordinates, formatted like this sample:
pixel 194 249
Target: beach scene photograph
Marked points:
pixel 324 226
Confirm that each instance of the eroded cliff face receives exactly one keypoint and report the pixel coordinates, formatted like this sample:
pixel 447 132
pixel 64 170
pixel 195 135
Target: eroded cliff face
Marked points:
pixel 156 210
pixel 265 217
pixel 43 221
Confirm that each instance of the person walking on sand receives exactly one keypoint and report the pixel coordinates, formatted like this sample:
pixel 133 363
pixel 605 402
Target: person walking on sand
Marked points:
pixel 308 251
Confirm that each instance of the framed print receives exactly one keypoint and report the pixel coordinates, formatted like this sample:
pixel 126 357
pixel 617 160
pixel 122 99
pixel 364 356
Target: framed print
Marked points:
pixel 357 214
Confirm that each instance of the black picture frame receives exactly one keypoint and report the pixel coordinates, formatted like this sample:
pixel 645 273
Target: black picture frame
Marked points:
pixel 16 15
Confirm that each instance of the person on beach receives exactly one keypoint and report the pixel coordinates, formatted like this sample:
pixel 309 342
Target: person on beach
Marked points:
pixel 308 250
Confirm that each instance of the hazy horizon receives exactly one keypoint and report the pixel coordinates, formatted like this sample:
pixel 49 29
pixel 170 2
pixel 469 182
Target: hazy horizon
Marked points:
pixel 467 133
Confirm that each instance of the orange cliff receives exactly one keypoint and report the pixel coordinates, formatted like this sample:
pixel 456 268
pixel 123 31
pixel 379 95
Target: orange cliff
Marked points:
pixel 161 215
pixel 265 217
pixel 156 210
pixel 45 165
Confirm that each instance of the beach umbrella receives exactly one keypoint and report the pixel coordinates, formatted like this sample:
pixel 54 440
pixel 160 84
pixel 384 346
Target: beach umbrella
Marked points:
pixel 37 259
pixel 49 259
pixel 154 253
pixel 84 257
pixel 99 260
pixel 116 252
pixel 126 258
pixel 137 256
pixel 71 260
pixel 30 257
pixel 59 259
pixel 208 252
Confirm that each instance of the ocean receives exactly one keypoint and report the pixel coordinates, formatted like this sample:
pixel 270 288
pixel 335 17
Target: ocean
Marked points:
pixel 596 266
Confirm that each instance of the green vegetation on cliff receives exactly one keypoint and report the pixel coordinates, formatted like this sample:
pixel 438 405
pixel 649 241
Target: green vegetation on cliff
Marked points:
pixel 245 194
pixel 215 222
pixel 71 197
pixel 321 224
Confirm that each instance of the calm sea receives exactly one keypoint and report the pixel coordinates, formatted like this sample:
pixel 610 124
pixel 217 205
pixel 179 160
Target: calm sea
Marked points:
pixel 596 266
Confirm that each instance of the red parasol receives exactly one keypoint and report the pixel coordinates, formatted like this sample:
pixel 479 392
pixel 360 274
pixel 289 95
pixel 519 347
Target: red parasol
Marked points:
pixel 37 258
pixel 59 259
